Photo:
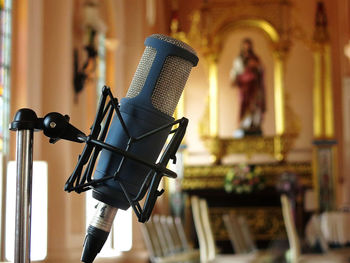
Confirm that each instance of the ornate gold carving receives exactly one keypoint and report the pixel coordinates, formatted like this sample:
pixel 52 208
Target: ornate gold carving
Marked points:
pixel 211 23
pixel 174 28
pixel 277 146
pixel 210 27
pixel 321 34
pixel 212 177
pixel 266 223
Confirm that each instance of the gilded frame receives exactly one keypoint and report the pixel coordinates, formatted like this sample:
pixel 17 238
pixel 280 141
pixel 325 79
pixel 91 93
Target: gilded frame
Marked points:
pixel 210 26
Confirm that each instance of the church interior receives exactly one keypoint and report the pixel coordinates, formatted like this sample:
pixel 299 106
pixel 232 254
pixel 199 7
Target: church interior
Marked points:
pixel 263 170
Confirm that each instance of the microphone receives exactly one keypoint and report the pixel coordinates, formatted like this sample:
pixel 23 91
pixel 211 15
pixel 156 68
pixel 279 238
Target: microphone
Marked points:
pixel 149 104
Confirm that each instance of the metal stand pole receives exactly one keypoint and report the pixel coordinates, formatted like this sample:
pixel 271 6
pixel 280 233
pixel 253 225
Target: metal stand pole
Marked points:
pixel 23 195
pixel 24 123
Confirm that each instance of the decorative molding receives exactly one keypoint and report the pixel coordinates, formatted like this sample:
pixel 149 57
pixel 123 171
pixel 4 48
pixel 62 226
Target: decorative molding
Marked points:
pixel 266 223
pixel 212 177
pixel 210 27
pixel 213 20
pixel 277 146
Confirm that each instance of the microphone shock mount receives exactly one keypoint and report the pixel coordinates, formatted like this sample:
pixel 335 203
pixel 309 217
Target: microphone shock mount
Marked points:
pixel 56 126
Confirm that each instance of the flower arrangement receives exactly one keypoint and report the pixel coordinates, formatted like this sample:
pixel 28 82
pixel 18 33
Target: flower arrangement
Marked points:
pixel 244 179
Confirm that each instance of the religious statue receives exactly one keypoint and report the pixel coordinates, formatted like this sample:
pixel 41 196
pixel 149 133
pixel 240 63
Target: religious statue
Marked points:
pixel 247 75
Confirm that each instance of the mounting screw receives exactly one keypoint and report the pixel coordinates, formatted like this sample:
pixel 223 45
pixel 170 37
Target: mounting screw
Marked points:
pixel 52 124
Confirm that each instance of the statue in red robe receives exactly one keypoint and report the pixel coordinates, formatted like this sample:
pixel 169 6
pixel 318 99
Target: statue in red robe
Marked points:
pixel 247 76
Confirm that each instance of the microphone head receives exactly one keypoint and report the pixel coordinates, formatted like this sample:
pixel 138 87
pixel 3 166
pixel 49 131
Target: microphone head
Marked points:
pixel 164 69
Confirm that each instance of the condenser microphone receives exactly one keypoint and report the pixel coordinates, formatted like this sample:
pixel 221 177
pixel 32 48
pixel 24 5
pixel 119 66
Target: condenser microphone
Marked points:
pixel 149 104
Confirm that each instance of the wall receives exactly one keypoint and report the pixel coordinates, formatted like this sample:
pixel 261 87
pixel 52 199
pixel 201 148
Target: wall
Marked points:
pixel 42 80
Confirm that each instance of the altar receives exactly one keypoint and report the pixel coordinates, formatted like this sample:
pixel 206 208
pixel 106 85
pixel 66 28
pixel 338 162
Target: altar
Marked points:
pixel 261 209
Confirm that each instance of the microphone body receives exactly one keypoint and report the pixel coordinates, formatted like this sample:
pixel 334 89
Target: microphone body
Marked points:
pixel 149 104
pixel 131 174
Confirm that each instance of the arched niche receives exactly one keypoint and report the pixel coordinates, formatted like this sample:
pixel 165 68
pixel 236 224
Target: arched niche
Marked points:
pixel 229 100
pixel 272 38
pixel 212 26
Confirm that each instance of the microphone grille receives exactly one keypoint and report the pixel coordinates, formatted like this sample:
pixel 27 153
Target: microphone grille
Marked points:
pixel 170 84
pixel 142 72
pixel 171 80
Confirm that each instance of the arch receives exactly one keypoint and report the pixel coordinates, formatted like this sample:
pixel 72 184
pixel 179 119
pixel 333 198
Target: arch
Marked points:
pixel 264 26
pixel 220 35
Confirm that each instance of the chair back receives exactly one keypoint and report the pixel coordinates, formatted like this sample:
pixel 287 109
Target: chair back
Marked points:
pixel 203 247
pixel 314 234
pixel 335 227
pixel 174 234
pixel 165 246
pixel 234 233
pixel 293 238
pixel 181 233
pixel 163 242
pixel 151 240
pixel 249 243
pixel 209 236
pixel 172 246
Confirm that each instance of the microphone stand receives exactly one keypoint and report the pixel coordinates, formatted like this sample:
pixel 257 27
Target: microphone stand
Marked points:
pixel 56 126
pixel 25 123
pixel 24 158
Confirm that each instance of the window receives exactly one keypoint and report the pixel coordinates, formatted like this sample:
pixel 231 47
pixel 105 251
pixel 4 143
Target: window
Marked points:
pixel 5 60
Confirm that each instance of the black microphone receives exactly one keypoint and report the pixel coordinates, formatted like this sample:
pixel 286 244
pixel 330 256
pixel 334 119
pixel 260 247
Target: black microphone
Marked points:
pixel 149 104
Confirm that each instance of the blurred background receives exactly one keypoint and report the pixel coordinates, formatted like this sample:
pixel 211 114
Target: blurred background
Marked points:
pixel 268 106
